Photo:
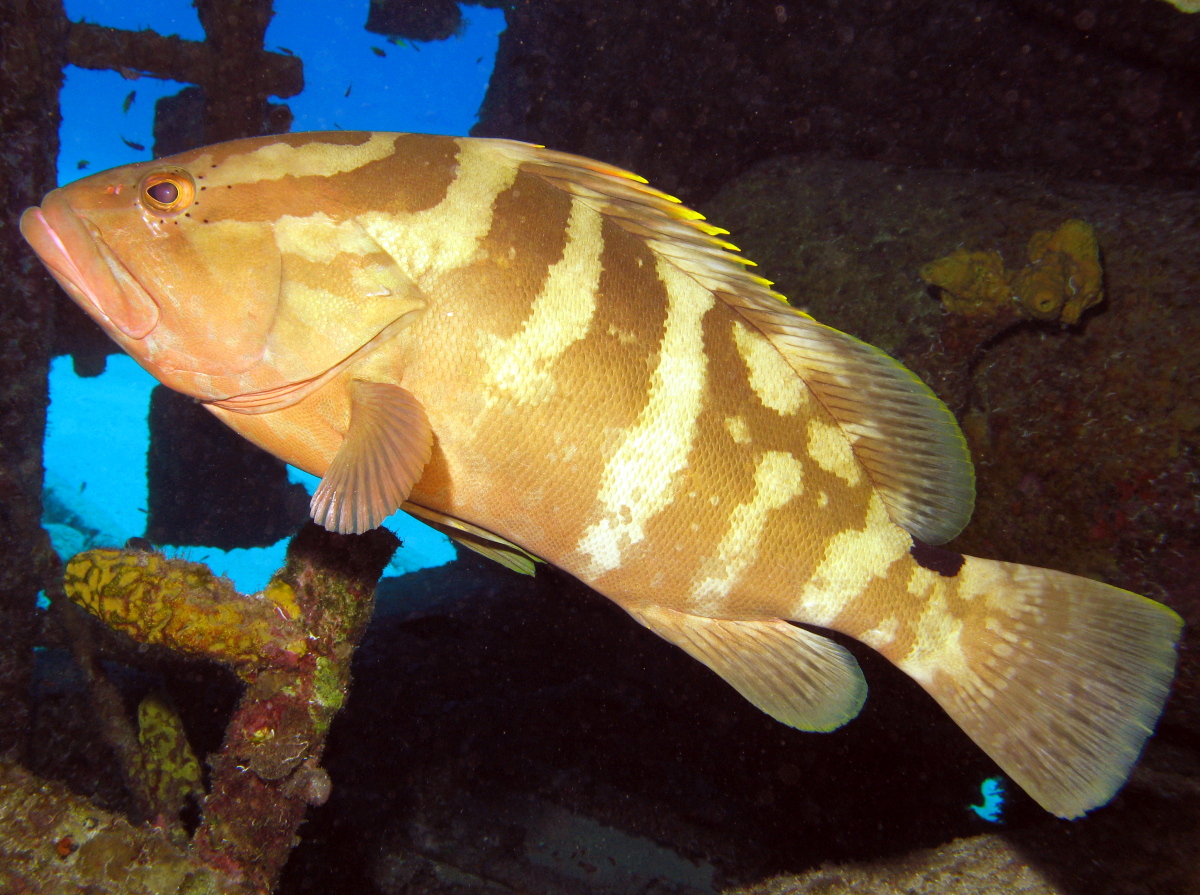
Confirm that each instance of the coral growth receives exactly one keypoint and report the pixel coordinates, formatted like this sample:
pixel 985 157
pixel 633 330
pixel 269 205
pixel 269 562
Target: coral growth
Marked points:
pixel 972 283
pixel 172 771
pixel 53 841
pixel 186 607
pixel 291 644
pixel 1062 279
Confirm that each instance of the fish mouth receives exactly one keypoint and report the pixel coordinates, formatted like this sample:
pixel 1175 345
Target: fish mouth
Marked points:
pixel 89 271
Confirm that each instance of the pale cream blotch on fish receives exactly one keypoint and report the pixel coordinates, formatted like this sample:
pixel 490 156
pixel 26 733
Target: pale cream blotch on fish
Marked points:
pixel 277 159
pixel 851 560
pixel 777 479
pixel 320 239
pixel 738 430
pixel 549 360
pixel 448 235
pixel 773 381
pixel 561 314
pixel 639 477
pixel 830 448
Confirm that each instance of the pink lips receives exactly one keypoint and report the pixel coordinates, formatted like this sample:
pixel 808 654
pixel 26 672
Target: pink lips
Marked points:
pixel 49 247
pixel 78 257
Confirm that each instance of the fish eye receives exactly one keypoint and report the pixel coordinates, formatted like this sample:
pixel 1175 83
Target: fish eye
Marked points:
pixel 168 192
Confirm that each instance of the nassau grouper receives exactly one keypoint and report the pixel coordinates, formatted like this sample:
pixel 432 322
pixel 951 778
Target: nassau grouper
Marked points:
pixel 551 361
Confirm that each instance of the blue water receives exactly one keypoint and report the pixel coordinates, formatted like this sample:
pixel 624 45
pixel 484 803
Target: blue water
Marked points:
pixel 97 435
pixel 430 87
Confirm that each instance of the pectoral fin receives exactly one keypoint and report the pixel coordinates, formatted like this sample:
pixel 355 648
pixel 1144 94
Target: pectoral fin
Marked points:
pixel 385 450
pixel 797 677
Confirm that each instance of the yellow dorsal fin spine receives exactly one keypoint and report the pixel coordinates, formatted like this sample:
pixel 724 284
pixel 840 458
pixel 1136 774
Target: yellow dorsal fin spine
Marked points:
pixel 670 228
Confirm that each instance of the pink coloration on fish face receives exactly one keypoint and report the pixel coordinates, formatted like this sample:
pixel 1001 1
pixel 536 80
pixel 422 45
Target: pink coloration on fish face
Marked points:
pixel 79 259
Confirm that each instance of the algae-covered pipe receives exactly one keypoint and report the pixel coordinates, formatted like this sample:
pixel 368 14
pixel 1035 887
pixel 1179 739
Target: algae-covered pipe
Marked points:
pixel 292 645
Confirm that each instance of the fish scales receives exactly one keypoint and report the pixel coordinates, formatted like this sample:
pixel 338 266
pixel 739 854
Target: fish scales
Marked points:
pixel 550 360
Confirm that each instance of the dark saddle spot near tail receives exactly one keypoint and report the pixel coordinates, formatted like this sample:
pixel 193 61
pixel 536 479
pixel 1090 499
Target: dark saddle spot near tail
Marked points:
pixel 945 562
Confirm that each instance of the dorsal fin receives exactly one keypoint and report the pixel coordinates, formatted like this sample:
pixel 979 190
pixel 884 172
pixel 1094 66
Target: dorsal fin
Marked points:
pixel 905 437
pixel 670 228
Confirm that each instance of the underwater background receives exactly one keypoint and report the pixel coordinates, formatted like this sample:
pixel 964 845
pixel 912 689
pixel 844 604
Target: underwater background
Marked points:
pixel 898 169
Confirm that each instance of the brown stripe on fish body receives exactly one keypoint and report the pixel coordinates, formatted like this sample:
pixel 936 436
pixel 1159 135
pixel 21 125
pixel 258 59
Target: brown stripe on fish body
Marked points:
pixel 479 289
pixel 480 278
pixel 695 552
pixel 760 498
pixel 703 549
pixel 685 529
pixel 649 462
pixel 790 506
pixel 430 241
pixel 562 390
pixel 391 173
pixel 499 283
pixel 733 531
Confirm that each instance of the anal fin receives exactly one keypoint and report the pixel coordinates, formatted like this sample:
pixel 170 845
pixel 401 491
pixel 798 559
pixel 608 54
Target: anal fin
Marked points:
pixel 797 677
pixel 383 454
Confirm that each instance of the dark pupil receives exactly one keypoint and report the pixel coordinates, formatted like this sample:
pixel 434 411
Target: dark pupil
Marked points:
pixel 163 193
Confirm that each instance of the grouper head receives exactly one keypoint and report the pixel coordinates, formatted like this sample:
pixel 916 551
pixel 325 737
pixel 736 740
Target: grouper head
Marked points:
pixel 230 271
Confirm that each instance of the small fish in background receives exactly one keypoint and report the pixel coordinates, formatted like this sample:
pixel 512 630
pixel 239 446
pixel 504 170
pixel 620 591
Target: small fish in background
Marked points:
pixel 348 89
pixel 379 51
pixel 82 165
pixel 128 101
pixel 991 808
pixel 551 361
pixel 132 145
pixel 285 51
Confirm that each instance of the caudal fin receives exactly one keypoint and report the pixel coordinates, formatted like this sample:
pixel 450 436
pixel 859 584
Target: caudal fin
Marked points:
pixel 1060 679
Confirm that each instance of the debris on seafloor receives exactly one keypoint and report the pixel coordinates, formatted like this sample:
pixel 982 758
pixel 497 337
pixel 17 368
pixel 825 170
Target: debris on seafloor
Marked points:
pixel 291 645
pixel 982 865
pixel 55 841
pixel 1062 279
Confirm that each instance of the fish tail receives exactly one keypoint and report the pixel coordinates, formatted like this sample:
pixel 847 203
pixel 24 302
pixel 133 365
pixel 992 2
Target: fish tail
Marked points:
pixel 1060 679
